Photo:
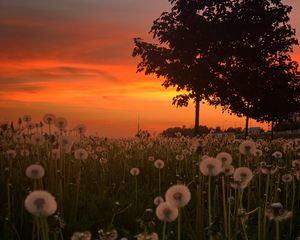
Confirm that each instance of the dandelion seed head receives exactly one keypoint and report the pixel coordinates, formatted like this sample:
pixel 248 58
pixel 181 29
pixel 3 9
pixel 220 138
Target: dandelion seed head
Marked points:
pixel 40 203
pixel 24 152
pixel 159 164
pixel 81 154
pixel 61 123
pixel 134 171
pixel 18 139
pixel 166 212
pixel 277 154
pixel 287 178
pixel 178 195
pixel 158 200
pixel 225 158
pixel 246 147
pixel 81 236
pixel 37 139
pixel 243 174
pixel 256 152
pixel 49 119
pixel 11 154
pixel 26 118
pixel 81 129
pixel 268 168
pixel 210 166
pixel 228 170
pixel 35 171
pixel 179 157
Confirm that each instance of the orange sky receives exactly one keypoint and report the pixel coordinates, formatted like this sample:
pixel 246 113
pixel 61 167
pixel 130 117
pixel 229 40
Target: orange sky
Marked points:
pixel 73 58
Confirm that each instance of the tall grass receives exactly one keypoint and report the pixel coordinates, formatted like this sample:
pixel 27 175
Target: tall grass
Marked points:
pixel 100 195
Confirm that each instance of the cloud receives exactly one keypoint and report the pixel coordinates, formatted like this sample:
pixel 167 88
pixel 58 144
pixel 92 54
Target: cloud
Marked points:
pixel 32 80
pixel 87 31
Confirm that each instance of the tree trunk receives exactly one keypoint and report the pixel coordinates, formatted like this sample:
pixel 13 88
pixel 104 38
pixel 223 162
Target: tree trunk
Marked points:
pixel 247 126
pixel 272 130
pixel 197 114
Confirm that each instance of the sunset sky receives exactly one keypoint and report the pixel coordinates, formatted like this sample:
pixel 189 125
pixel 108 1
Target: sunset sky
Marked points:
pixel 73 58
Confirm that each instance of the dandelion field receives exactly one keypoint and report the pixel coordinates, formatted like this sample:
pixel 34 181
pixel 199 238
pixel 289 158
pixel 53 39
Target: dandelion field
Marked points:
pixel 58 184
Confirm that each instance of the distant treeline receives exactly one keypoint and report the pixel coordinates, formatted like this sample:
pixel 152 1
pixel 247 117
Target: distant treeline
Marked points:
pixel 184 131
pixel 173 132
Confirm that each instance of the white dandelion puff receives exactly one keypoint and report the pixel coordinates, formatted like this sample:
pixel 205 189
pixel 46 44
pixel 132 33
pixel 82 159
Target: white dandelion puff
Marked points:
pixel 158 200
pixel 277 154
pixel 210 166
pixel 134 171
pixel 18 139
pixel 81 129
pixel 40 203
pixel 246 147
pixel 178 195
pixel 49 119
pixel 35 171
pixel 27 118
pixel 86 235
pixel 225 158
pixel 37 139
pixel 179 157
pixel 61 123
pixel 243 174
pixel 11 154
pixel 159 164
pixel 228 170
pixel 287 178
pixel 166 212
pixel 55 154
pixel 81 154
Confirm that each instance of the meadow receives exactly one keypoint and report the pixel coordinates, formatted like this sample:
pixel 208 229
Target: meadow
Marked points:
pixel 60 183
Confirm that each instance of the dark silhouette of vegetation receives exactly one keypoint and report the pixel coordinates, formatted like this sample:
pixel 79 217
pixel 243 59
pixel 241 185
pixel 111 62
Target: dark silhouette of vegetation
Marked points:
pixel 233 53
pixel 184 53
pixel 203 130
pixel 259 78
pixel 287 125
pixel 183 131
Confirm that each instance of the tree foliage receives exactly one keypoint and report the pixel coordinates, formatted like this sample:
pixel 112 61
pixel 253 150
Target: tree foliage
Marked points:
pixel 233 53
pixel 184 53
pixel 259 78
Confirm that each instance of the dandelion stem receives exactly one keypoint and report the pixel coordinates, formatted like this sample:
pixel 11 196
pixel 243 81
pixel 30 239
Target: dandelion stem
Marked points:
pixel 277 230
pixel 136 190
pixel 259 224
pixel 178 226
pixel 209 204
pixel 265 207
pixel 164 230
pixel 224 207
pixel 159 182
pixel 293 203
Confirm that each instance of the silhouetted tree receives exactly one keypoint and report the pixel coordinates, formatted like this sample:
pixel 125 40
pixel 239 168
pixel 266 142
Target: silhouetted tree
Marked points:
pixel 234 130
pixel 184 54
pixel 187 132
pixel 257 71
